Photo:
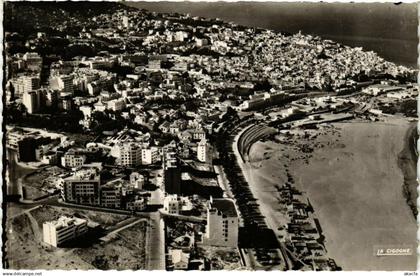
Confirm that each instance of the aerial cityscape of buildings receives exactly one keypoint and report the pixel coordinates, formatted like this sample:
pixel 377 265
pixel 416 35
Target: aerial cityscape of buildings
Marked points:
pixel 146 116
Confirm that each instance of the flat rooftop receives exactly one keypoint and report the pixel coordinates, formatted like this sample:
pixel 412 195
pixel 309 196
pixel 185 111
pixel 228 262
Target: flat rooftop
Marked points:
pixel 226 206
pixel 64 221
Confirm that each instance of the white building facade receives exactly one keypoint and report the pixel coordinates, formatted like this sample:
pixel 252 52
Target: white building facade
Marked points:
pixel 173 204
pixel 203 151
pixel 130 155
pixel 222 223
pixel 73 160
pixel 64 229
pixel 137 180
pixel 150 156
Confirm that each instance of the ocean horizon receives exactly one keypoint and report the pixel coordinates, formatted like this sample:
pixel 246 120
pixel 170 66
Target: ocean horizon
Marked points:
pixel 385 28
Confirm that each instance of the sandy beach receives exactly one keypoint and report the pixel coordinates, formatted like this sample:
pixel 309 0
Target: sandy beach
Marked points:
pixel 355 185
pixel 263 185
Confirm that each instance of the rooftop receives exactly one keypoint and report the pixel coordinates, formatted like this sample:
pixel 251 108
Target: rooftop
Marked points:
pixel 226 206
pixel 179 256
pixel 65 222
pixel 86 174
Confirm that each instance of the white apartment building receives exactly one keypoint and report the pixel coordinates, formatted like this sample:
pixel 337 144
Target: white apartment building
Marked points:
pixel 99 106
pixel 82 187
pixel 62 83
pixel 30 83
pixel 125 21
pixel 203 151
pixel 199 134
pixel 111 197
pixel 180 36
pixel 13 138
pixel 34 100
pixel 222 223
pixel 137 180
pixel 93 88
pixel 150 156
pixel 130 154
pixel 66 84
pixel 200 42
pixel 62 230
pixel 137 205
pixel 173 204
pixel 116 105
pixel 30 101
pixel 72 159
pixel 50 158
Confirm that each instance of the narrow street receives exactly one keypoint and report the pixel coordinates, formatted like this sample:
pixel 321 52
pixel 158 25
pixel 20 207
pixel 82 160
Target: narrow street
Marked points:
pixel 114 230
pixel 155 243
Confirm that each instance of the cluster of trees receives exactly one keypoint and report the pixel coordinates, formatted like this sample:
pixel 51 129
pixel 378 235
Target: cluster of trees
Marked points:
pixel 406 107
pixel 106 121
pixel 64 121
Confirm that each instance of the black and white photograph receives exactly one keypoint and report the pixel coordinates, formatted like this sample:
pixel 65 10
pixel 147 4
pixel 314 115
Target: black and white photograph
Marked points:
pixel 209 136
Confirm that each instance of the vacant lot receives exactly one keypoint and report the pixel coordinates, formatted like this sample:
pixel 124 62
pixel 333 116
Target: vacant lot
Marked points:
pixel 38 183
pixel 125 251
pixel 221 258
pixel 25 249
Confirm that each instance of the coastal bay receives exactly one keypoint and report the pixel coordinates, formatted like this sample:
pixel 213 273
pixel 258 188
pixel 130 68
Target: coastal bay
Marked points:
pixel 353 182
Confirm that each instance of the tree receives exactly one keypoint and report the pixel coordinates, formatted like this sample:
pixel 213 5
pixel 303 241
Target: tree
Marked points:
pixel 71 122
pixel 14 112
pixel 103 122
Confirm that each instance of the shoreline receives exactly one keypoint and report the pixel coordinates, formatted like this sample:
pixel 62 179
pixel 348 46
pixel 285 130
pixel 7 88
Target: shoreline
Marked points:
pixel 260 203
pixel 245 167
pixel 407 162
pixel 276 209
pixel 342 179
pixel 359 197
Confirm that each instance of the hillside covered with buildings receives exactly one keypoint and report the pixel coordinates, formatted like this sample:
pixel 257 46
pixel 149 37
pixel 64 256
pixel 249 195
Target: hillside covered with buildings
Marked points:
pixel 131 112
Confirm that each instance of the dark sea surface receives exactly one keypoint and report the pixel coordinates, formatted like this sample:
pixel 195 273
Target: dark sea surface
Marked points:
pixel 386 28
